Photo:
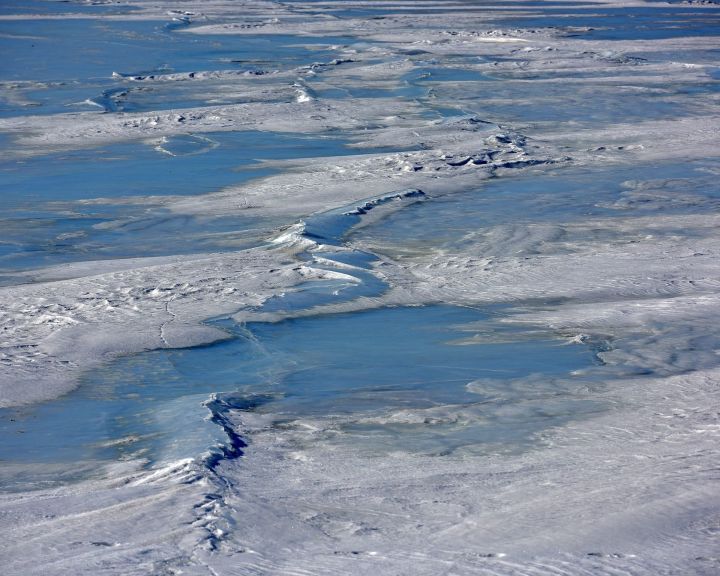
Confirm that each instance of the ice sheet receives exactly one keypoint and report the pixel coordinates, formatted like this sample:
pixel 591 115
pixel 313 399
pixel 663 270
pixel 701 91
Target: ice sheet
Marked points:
pixel 567 156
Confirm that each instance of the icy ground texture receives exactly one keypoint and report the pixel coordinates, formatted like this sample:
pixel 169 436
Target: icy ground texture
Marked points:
pixel 631 491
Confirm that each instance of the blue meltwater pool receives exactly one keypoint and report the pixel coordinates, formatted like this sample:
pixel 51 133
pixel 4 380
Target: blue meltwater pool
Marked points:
pixel 430 379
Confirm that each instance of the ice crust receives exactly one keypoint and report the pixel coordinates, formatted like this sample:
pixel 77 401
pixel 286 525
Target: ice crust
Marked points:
pixel 630 491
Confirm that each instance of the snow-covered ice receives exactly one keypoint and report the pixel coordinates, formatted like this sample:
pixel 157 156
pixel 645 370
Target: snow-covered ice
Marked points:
pixel 442 280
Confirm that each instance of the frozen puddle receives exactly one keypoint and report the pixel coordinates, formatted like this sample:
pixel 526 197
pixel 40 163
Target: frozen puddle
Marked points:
pixel 519 215
pixel 109 202
pixel 413 378
pixel 128 58
pixel 624 22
